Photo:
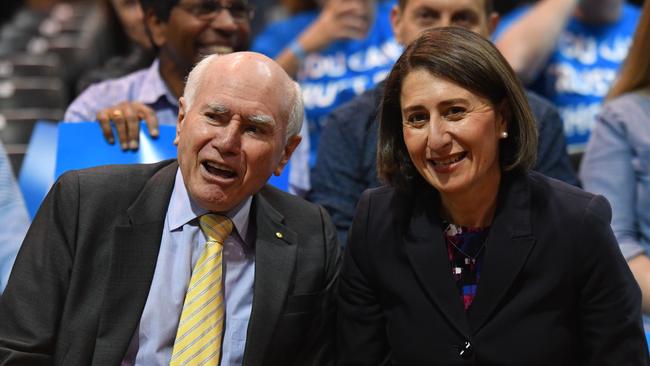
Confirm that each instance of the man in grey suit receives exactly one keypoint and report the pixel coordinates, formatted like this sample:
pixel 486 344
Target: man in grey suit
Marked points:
pixel 103 273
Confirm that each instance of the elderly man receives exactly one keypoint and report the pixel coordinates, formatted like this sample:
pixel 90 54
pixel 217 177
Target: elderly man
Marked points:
pixel 188 262
pixel 182 32
pixel 346 166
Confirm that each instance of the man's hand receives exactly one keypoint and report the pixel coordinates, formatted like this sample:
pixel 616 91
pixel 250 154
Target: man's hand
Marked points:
pixel 126 116
pixel 339 19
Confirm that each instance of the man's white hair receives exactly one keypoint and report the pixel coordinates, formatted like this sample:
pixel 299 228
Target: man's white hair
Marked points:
pixel 296 105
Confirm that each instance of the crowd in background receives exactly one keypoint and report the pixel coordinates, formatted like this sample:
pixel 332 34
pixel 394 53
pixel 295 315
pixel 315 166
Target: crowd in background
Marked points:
pixel 568 54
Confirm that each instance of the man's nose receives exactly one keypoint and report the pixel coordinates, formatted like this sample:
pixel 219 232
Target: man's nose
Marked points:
pixel 228 139
pixel 224 21
pixel 444 21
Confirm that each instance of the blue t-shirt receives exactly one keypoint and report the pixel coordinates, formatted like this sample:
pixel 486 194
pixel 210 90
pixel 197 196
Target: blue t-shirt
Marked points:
pixel 338 73
pixel 581 69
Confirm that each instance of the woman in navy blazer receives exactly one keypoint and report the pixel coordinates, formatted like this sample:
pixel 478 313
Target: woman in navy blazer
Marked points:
pixel 466 257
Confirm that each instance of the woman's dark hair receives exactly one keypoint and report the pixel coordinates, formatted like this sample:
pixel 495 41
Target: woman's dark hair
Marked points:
pixel 472 62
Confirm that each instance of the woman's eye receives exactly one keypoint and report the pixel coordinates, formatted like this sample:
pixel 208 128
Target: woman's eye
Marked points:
pixel 455 112
pixel 417 119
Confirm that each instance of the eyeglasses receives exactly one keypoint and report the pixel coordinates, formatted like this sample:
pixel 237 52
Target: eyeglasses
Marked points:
pixel 208 10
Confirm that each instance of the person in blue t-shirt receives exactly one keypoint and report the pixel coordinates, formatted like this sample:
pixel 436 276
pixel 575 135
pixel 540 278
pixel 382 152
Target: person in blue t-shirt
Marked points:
pixel 569 51
pixel 335 53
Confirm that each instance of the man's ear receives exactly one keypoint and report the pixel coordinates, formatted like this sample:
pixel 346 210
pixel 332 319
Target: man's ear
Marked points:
pixel 156 27
pixel 395 21
pixel 493 21
pixel 181 119
pixel 289 148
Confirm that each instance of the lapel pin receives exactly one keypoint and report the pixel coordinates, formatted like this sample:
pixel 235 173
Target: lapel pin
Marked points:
pixel 279 235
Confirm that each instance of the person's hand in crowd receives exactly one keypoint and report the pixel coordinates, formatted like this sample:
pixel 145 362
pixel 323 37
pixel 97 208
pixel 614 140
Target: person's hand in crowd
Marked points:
pixel 338 19
pixel 126 117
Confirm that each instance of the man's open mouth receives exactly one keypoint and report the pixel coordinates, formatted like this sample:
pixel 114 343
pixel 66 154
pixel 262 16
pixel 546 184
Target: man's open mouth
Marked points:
pixel 219 170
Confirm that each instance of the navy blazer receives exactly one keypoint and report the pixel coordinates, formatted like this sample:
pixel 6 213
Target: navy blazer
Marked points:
pixel 554 290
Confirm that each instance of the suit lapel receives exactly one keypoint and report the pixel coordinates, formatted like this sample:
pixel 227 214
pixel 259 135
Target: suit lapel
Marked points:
pixel 427 254
pixel 134 255
pixel 275 259
pixel 509 243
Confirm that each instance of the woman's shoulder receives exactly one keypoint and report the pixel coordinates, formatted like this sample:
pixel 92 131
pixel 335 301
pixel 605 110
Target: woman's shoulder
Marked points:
pixel 559 198
pixel 381 191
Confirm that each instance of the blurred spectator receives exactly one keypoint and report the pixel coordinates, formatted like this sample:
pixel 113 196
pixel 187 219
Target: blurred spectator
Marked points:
pixel 617 161
pixel 335 53
pixel 14 217
pixel 346 162
pixel 182 33
pixel 7 9
pixel 569 51
pixel 266 12
pixel 133 47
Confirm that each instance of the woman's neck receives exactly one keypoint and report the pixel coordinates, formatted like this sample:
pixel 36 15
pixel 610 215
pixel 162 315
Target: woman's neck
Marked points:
pixel 474 209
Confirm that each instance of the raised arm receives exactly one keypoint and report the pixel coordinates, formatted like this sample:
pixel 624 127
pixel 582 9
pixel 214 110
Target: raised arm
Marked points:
pixel 530 40
pixel 339 19
pixel 607 169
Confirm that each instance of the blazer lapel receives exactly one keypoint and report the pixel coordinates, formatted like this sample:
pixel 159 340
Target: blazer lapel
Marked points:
pixel 275 258
pixel 427 254
pixel 509 243
pixel 134 255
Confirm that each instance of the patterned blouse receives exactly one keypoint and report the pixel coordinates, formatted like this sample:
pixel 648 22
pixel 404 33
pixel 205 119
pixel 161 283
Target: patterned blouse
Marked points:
pixel 465 250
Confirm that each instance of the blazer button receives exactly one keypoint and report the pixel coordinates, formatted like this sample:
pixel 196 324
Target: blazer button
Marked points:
pixel 466 350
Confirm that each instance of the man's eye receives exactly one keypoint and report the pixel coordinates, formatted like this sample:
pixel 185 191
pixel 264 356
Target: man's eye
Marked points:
pixel 239 10
pixel 465 19
pixel 206 8
pixel 257 129
pixel 215 117
pixel 427 15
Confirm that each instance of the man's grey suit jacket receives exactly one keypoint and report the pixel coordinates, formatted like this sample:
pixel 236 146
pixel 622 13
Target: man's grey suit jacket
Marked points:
pixel 81 279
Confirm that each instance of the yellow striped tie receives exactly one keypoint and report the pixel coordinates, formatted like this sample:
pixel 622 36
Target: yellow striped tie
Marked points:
pixel 200 331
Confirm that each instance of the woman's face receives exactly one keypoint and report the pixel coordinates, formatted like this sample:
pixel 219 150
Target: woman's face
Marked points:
pixel 131 18
pixel 451 134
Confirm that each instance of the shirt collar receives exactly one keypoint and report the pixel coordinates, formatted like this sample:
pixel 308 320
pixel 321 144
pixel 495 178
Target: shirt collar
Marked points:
pixel 182 209
pixel 154 88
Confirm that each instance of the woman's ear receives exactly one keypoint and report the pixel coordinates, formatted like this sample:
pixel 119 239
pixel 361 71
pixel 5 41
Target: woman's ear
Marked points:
pixel 503 116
